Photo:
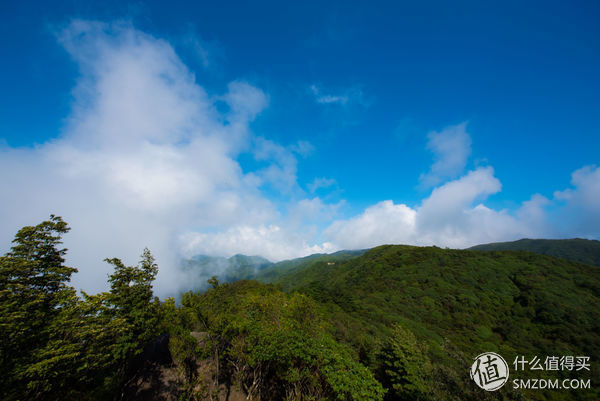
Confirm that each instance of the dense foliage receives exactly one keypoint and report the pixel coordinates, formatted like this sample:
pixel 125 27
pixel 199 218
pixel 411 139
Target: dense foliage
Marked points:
pixel 56 345
pixel 271 345
pixel 459 304
pixel 576 249
pixel 277 271
pixel 391 323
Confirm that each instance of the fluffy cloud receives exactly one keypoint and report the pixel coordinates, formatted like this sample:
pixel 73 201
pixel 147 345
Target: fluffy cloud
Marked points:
pixel 581 211
pixel 455 216
pixel 382 223
pixel 146 158
pixel 451 148
pixel 282 173
pixel 270 241
pixel 451 216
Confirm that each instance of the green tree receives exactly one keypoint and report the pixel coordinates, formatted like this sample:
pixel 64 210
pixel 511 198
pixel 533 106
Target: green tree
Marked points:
pixel 80 358
pixel 276 346
pixel 33 292
pixel 132 300
pixel 406 367
pixel 56 345
pixel 213 281
pixel 91 341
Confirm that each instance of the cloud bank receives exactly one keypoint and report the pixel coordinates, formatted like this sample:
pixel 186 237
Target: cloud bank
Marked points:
pixel 148 158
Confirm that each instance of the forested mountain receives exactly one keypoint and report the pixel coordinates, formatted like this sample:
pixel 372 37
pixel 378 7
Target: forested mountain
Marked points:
pixel 391 323
pixel 576 249
pixel 241 267
pixel 200 268
pixel 459 304
pixel 277 271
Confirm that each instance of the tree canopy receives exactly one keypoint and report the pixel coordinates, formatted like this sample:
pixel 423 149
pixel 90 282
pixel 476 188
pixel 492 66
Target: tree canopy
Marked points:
pixel 57 345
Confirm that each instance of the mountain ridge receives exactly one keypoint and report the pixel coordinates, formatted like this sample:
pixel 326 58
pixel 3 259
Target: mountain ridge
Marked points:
pixel 575 249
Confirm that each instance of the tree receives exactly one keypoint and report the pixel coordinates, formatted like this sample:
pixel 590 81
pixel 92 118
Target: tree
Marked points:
pixel 56 345
pixel 33 292
pixel 132 300
pixel 405 366
pixel 213 281
pixel 275 346
pixel 78 361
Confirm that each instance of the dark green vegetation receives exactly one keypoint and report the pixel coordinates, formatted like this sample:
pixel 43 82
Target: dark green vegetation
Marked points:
pixel 576 249
pixel 274 346
pixel 393 323
pixel 278 271
pixel 458 304
pixel 56 345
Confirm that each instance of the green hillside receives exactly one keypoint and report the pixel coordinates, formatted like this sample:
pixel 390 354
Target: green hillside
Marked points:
pixel 277 271
pixel 201 268
pixel 459 304
pixel 576 249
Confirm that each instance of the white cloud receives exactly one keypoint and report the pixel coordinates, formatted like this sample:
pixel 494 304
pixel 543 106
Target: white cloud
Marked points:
pixel 313 212
pixel 302 148
pixel 580 215
pixel 245 101
pixel 532 213
pixel 320 182
pixel 454 198
pixel 270 241
pixel 451 148
pixel 382 223
pixel 451 216
pixel 281 174
pixel 332 99
pixel 352 95
pixel 291 237
pixel 145 157
pixel 586 194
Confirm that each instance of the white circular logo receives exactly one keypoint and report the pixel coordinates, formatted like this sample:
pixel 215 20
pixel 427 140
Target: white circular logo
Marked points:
pixel 489 371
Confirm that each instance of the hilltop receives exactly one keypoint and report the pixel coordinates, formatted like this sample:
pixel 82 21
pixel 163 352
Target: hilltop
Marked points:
pixel 576 249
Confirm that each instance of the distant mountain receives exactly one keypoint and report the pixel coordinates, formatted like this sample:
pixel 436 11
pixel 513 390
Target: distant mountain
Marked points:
pixel 200 268
pixel 577 249
pixel 277 271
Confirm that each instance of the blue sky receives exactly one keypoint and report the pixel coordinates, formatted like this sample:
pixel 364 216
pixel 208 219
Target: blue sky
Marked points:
pixel 286 129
